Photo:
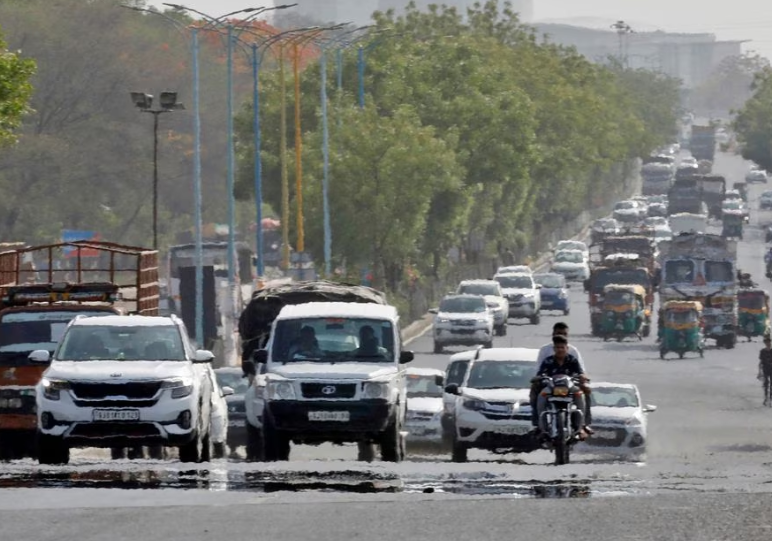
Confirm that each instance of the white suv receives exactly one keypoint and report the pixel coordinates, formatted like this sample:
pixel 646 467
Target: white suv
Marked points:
pixel 462 320
pixel 523 295
pixel 494 297
pixel 123 381
pixel 492 408
pixel 333 373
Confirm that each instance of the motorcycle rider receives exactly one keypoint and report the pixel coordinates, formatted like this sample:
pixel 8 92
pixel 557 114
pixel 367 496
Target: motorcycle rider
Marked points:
pixel 765 367
pixel 558 329
pixel 563 363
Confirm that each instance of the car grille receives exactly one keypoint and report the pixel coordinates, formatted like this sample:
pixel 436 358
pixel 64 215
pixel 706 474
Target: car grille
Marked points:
pixel 134 390
pixel 116 403
pixel 328 390
pixel 463 322
pixel 619 436
pixel 462 331
pixel 112 430
pixel 420 416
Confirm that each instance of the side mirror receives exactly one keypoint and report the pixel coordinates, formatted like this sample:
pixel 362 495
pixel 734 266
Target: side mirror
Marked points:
pixel 439 380
pixel 433 310
pixel 203 356
pixel 40 356
pixel 649 408
pixel 248 367
pixel 406 357
pixel 260 356
pixel 452 389
pixel 227 391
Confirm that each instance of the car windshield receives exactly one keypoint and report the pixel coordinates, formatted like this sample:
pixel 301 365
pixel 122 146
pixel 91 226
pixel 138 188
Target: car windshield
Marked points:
pixel 461 305
pixel 753 302
pixel 614 397
pixel 501 375
pixel 569 257
pixel 515 282
pixel 334 339
pixel 234 380
pixel 122 343
pixel 479 289
pixel 552 281
pixel 616 297
pixel 718 271
pixel 681 316
pixel 619 276
pixel 26 331
pixel 623 205
pixel 421 385
pixel 679 272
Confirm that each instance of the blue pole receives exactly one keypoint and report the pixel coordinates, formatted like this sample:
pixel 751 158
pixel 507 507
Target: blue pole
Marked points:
pixel 258 160
pixel 231 180
pixel 197 195
pixel 361 70
pixel 326 169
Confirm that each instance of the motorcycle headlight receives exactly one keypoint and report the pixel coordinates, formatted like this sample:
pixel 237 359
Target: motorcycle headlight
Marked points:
pixel 280 390
pixel 474 405
pixel 560 391
pixel 181 387
pixel 53 387
pixel 376 390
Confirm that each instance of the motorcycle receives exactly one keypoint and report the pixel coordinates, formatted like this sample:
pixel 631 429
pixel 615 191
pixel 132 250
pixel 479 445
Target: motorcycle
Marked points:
pixel 560 416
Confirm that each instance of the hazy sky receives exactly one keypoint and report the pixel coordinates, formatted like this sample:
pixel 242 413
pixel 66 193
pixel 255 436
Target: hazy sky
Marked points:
pixel 734 19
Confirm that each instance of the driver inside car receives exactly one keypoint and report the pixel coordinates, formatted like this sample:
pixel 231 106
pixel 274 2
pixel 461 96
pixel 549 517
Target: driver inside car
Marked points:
pixel 307 345
pixel 368 344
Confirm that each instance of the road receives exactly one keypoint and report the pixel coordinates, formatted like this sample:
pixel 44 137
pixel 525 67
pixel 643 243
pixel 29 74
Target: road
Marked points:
pixel 706 476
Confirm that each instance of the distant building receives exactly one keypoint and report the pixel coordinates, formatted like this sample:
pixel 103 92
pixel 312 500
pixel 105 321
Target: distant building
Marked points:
pixel 689 57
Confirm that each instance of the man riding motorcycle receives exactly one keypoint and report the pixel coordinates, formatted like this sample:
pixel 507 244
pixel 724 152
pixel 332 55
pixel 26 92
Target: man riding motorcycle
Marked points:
pixel 562 363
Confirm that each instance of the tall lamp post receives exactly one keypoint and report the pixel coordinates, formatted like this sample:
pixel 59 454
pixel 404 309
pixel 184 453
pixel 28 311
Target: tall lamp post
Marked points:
pixel 168 103
pixel 622 29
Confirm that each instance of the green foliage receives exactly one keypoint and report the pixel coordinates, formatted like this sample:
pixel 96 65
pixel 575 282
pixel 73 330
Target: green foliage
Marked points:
pixel 15 91
pixel 532 134
pixel 729 86
pixel 753 123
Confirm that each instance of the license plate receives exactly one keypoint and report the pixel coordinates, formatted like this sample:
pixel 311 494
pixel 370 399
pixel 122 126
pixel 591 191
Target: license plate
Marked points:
pixel 115 415
pixel 513 430
pixel 237 424
pixel 338 416
pixel 605 434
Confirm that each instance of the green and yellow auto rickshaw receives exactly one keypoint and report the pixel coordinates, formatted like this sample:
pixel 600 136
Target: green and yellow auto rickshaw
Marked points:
pixel 624 311
pixel 753 312
pixel 732 225
pixel 681 328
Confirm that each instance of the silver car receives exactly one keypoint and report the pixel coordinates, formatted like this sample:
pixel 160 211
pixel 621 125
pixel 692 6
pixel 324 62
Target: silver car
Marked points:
pixel 494 297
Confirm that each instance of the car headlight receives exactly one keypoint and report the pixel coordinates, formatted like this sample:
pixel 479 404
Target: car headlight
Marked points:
pixel 633 422
pixel 442 320
pixel 562 295
pixel 52 387
pixel 181 387
pixel 482 319
pixel 474 405
pixel 375 390
pixel 280 390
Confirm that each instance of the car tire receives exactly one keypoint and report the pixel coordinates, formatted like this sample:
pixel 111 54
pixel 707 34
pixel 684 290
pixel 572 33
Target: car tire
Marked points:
pixel 392 443
pixel 277 444
pixel 219 450
pixel 254 447
pixel 52 450
pixel 155 452
pixel 118 453
pixel 365 451
pixel 460 452
pixel 566 311
pixel 535 319
pixel 438 347
pixel 193 450
pixel 501 330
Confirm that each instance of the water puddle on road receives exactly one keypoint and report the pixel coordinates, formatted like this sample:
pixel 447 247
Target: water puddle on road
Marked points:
pixel 363 482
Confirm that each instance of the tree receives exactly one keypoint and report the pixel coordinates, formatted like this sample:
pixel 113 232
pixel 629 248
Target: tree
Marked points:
pixel 753 123
pixel 729 85
pixel 15 91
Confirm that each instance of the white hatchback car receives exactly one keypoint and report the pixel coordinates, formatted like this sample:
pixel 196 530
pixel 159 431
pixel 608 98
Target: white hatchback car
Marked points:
pixel 572 264
pixel 619 421
pixel 492 407
pixel 423 420
pixel 123 381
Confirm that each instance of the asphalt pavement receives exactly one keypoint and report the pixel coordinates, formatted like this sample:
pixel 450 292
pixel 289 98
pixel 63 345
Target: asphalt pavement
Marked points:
pixel 706 476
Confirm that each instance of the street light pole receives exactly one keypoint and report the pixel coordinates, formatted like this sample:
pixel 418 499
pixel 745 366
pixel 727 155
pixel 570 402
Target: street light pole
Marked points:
pixel 361 75
pixel 155 179
pixel 197 194
pixel 258 160
pixel 326 170
pixel 283 158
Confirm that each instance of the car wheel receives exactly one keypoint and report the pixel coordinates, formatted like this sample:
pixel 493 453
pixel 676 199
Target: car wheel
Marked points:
pixel 535 319
pixel 255 451
pixel 219 450
pixel 52 450
pixel 460 452
pixel 117 453
pixel 566 311
pixel 365 451
pixel 392 446
pixel 193 450
pixel 277 444
pixel 155 452
pixel 437 347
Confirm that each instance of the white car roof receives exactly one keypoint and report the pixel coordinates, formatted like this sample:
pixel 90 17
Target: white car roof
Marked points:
pixel 514 274
pixel 338 309
pixel 511 269
pixel 499 354
pixel 480 281
pixel 570 251
pixel 414 371
pixel 607 384
pixel 125 321
pixel 571 242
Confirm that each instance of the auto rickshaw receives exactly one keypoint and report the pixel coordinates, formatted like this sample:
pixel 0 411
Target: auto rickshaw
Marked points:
pixel 681 328
pixel 753 316
pixel 732 225
pixel 624 311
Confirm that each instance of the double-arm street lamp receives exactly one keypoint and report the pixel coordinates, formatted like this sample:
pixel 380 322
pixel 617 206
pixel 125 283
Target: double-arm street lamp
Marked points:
pixel 167 104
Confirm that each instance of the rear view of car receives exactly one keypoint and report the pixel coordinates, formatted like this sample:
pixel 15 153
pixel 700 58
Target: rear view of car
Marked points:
pixel 423 420
pixel 462 320
pixel 765 201
pixel 554 292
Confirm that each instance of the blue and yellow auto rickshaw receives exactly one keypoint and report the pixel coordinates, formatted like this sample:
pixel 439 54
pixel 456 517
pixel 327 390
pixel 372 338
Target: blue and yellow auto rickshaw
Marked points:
pixel 624 311
pixel 681 328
